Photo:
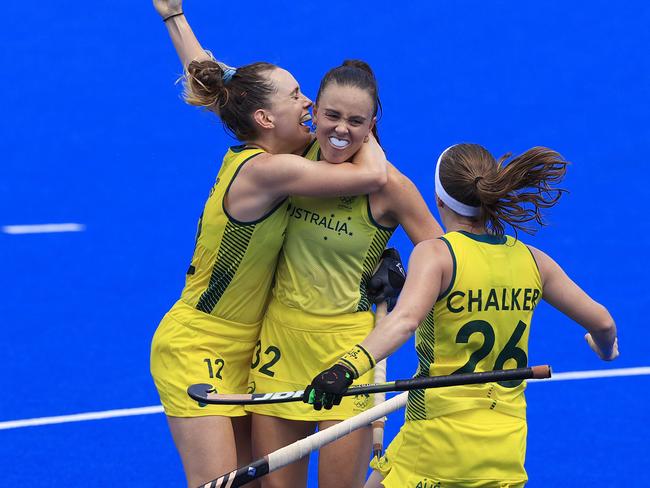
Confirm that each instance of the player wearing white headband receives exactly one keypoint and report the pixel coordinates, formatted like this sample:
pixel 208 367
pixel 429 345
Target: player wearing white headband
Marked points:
pixel 469 298
pixel 451 202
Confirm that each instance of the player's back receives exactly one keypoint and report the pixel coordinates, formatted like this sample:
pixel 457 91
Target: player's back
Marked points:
pixel 480 323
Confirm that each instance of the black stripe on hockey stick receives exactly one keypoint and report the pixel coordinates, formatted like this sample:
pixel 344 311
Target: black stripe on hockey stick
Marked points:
pixel 241 476
pixel 205 393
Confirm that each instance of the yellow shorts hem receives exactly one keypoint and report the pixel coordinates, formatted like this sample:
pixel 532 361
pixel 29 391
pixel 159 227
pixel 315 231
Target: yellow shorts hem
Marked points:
pixel 469 449
pixel 318 416
pixel 294 347
pixel 207 413
pixel 182 354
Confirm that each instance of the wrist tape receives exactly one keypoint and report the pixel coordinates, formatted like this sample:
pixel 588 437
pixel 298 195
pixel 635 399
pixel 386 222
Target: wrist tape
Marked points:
pixel 357 360
pixel 165 19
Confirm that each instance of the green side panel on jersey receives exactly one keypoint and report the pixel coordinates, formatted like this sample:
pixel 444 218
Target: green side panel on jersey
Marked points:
pixel 377 246
pixel 233 246
pixel 424 347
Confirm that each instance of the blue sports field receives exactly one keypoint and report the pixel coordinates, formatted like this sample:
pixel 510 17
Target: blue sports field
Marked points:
pixel 93 133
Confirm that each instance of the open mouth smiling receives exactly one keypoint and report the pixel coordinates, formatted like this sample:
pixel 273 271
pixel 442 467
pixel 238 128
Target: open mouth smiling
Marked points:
pixel 338 143
pixel 305 120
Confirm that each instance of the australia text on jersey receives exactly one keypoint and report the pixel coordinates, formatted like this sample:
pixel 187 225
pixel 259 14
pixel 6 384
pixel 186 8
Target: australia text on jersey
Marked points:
pixel 330 222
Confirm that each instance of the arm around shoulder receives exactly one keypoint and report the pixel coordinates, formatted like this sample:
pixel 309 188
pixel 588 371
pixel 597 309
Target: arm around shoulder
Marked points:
pixel 288 174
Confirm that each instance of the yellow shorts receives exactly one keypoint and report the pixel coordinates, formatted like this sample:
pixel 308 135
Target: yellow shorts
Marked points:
pixel 190 347
pixel 468 449
pixel 294 347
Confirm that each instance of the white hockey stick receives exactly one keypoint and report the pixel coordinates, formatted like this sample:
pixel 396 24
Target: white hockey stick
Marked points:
pixel 380 377
pixel 304 447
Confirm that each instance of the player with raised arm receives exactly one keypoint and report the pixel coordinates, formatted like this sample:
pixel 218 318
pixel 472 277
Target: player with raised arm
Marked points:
pixel 211 332
pixel 330 250
pixel 469 298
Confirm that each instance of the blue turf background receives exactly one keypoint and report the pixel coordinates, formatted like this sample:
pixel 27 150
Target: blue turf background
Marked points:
pixel 93 131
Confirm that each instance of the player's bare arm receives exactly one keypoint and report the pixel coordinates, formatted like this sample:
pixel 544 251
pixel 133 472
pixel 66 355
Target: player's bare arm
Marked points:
pixel 187 45
pixel 400 203
pixel 430 267
pixel 268 179
pixel 288 174
pixel 565 295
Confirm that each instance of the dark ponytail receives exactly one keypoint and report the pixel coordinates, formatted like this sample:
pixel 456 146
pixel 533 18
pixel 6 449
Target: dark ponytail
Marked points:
pixel 234 95
pixel 357 73
pixel 513 192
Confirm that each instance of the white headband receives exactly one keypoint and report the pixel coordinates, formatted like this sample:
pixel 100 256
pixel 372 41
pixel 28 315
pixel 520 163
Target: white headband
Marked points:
pixel 451 202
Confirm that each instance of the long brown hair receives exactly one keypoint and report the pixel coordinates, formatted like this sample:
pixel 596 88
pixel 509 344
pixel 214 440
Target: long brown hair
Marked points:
pixel 509 191
pixel 235 98
pixel 357 73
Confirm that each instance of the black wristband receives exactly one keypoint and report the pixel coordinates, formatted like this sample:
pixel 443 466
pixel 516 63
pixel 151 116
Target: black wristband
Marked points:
pixel 165 19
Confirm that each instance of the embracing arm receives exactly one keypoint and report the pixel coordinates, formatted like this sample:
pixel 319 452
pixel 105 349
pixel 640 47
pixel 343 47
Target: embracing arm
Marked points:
pixel 423 284
pixel 406 207
pixel 288 174
pixel 562 293
pixel 420 292
pixel 187 45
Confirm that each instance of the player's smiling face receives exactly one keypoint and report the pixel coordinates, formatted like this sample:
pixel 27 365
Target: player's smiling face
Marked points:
pixel 290 111
pixel 343 117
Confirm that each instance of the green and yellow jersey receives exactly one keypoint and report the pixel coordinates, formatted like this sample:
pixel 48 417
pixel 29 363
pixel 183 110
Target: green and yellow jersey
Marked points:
pixel 234 262
pixel 330 252
pixel 480 323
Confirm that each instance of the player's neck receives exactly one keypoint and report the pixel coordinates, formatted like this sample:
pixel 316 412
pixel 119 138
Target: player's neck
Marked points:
pixel 466 225
pixel 273 145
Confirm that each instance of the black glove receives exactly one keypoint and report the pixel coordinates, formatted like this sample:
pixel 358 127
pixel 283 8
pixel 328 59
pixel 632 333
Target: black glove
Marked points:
pixel 327 388
pixel 387 281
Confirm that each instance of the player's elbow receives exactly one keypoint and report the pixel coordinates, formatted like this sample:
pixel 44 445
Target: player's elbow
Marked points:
pixel 378 180
pixel 402 323
pixel 603 322
pixel 410 326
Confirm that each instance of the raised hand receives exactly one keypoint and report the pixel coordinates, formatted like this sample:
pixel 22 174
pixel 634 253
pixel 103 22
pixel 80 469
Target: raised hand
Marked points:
pixel 165 8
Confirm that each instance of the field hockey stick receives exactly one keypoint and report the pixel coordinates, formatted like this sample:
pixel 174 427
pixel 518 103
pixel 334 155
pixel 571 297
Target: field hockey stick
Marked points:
pixel 205 393
pixel 380 377
pixel 303 447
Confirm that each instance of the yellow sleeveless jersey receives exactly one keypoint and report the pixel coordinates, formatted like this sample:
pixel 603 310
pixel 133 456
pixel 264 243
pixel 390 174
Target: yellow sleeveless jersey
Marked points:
pixel 330 252
pixel 233 264
pixel 480 323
